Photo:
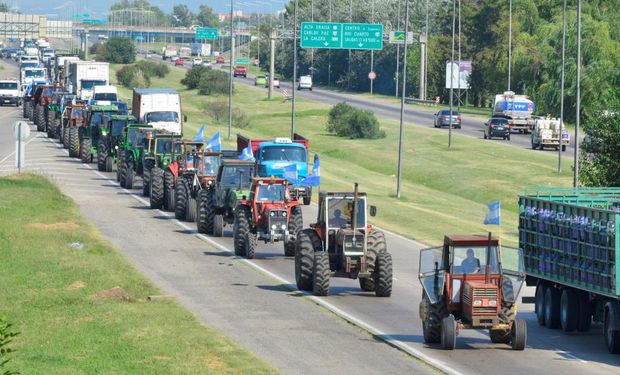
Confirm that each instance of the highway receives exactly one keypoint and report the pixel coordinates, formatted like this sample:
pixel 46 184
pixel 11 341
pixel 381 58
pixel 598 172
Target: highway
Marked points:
pixel 256 303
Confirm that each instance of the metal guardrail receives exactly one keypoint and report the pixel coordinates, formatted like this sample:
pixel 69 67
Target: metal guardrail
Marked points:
pixel 420 101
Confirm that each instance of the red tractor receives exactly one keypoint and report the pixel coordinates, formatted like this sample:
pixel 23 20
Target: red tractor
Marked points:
pixel 268 214
pixel 470 283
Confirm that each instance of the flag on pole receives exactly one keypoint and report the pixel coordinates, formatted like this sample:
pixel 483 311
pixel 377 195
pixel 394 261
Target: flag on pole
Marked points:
pixel 215 143
pixel 315 178
pixel 201 133
pixel 247 154
pixel 290 174
pixel 493 214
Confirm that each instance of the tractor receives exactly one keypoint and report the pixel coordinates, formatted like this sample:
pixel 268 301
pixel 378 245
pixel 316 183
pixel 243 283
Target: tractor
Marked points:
pixel 342 244
pixel 180 179
pixel 90 133
pixel 466 286
pixel 39 102
pixel 110 140
pixel 219 200
pixel 164 147
pixel 53 112
pixel 136 142
pixel 269 214
pixel 72 119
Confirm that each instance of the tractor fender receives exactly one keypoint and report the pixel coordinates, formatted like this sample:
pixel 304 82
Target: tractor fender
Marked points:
pixel 614 310
pixel 174 168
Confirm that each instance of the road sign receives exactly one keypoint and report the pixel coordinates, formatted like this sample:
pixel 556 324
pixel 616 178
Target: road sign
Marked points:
pixel 398 37
pixel 206 33
pixel 243 60
pixel 94 21
pixel 372 75
pixel 21 130
pixel 341 35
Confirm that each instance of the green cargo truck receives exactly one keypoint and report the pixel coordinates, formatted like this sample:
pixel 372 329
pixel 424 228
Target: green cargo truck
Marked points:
pixel 571 244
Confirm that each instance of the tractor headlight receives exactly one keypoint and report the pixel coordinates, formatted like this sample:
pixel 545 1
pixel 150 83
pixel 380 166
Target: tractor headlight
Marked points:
pixel 273 226
pixel 348 244
pixel 272 214
pixel 116 147
pixel 477 302
pixel 283 214
pixel 493 303
pixel 283 227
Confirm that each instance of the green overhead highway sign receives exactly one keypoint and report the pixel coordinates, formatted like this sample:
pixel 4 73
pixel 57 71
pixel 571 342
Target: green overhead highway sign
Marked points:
pixel 243 60
pixel 206 33
pixel 341 35
pixel 94 21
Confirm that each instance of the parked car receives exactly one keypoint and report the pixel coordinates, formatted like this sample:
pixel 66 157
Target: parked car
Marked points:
pixel 442 118
pixel 178 62
pixel 497 127
pixel 276 81
pixel 206 63
pixel 220 60
pixel 260 80
pixel 240 71
pixel 197 61
pixel 305 82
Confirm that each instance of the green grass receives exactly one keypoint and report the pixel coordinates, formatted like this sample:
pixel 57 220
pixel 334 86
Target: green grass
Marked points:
pixel 443 190
pixel 49 293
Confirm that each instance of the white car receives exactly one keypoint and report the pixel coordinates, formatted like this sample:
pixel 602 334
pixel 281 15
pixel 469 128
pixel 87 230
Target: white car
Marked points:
pixel 305 82
pixel 276 81
pixel 174 58
pixel 197 61
pixel 207 63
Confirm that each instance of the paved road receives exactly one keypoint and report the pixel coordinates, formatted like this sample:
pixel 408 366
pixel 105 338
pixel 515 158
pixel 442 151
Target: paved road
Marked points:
pixel 258 309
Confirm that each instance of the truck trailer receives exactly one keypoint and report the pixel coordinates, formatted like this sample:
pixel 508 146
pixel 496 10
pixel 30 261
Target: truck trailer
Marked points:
pixel 83 76
pixel 517 109
pixel 160 108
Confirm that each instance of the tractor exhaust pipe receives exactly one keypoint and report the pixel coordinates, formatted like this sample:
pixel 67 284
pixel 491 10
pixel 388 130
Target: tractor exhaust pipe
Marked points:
pixel 487 268
pixel 354 209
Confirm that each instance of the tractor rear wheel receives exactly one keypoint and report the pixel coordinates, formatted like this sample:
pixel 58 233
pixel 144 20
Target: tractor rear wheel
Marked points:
pixel 156 196
pixel 180 194
pixel 383 274
pixel 190 208
pixel 102 155
pixel 321 274
pixel 74 142
pixel 146 176
pixel 201 218
pixel 375 245
pixel 295 224
pixel 507 315
pixel 552 308
pixel 448 333
pixel 500 336
pixel 168 190
pixel 39 118
pixel 431 324
pixel 218 225
pixel 308 244
pixel 85 146
pixel 519 335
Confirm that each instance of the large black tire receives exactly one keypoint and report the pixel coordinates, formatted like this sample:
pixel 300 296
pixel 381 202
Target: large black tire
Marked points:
pixel 218 225
pixel 584 322
pixel 308 243
pixel 448 333
pixel 85 145
pixel 156 196
pixel 120 170
pixel 569 310
pixel 168 190
pixel 552 308
pixel 500 336
pixel 507 315
pixel 383 274
pixel 612 336
pixel 102 155
pixel 25 107
pixel 295 224
pixel 539 303
pixel 201 218
pixel 243 238
pixel 375 245
pixel 431 326
pixel 39 118
pixel 64 137
pixel 128 174
pixel 321 274
pixel 146 176
pixel 519 335
pixel 74 142
pixel 180 193
pixel 109 164
pixel 49 123
pixel 307 200
pixel 190 209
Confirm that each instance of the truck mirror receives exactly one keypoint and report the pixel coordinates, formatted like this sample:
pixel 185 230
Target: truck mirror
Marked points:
pixel 184 118
pixel 373 211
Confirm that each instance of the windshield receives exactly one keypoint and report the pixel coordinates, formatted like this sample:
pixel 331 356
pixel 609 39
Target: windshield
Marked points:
pixel 99 118
pixel 211 165
pixel 271 193
pixel 447 112
pixel 473 260
pixel 499 121
pixel 137 136
pixel 8 85
pixel 167 116
pixel 29 64
pixel 164 146
pixel 118 126
pixel 89 84
pixel 339 212
pixel 110 96
pixel 288 153
pixel 35 73
pixel 232 175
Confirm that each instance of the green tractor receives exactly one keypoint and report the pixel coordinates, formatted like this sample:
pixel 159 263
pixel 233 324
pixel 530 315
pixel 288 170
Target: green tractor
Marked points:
pixel 219 200
pixel 111 140
pixel 163 150
pixel 97 117
pixel 136 143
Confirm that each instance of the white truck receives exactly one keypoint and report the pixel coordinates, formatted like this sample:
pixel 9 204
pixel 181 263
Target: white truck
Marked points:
pixel 31 51
pixel 517 109
pixel 168 52
pixel 105 94
pixel 83 76
pixel 160 108
pixel 548 132
pixel 28 75
pixel 59 66
pixel 9 92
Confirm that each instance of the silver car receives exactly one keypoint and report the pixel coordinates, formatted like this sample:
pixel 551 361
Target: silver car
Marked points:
pixel 442 118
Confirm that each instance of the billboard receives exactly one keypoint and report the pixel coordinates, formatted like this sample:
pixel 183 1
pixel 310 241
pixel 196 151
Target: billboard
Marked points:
pixel 459 79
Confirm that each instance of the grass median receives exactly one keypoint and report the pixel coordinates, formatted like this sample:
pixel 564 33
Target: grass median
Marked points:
pixel 444 190
pixel 81 307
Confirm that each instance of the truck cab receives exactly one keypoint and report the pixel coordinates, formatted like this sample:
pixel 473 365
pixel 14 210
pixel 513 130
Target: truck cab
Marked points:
pixel 28 75
pixel 9 92
pixel 105 94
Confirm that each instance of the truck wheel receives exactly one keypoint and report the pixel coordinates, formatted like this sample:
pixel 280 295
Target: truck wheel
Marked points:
pixel 448 333
pixel 569 310
pixel 102 155
pixel 539 303
pixel 169 190
pixel 109 164
pixel 541 146
pixel 552 308
pixel 383 274
pixel 612 334
pixel 156 196
pixel 307 200
pixel 533 146
pixel 375 245
pixel 519 335
pixel 190 209
pixel 146 176
pixel 321 274
pixel 431 319
pixel 180 194
pixel 218 225
pixel 585 312
pixel 74 143
pixel 308 244
pixel 563 148
pixel 85 146
pixel 295 224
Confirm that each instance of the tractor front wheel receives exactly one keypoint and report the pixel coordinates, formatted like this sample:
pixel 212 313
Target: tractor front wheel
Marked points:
pixel 109 164
pixel 448 333
pixel 519 335
pixel 156 194
pixel 321 274
pixel 85 146
pixel 168 190
pixel 74 142
pixel 308 244
pixel 383 274
pixel 244 240
pixel 190 208
pixel 146 177
pixel 128 175
pixel 218 225
pixel 295 224
pixel 102 155
pixel 181 199
pixel 201 218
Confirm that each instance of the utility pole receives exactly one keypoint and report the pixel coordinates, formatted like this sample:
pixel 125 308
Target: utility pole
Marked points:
pixel 509 43
pixel 294 71
pixel 422 66
pixel 578 99
pixel 402 105
pixel 329 52
pixel 426 56
pixel 398 49
pixel 372 52
pixel 562 86
pixel 452 75
pixel 230 68
pixel 349 61
pixel 458 103
pixel 272 61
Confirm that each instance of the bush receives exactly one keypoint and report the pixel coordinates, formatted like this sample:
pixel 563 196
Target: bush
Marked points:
pixel 192 77
pixel 219 112
pixel 206 80
pixel 131 76
pixel 6 336
pixel 153 69
pixel 97 49
pixel 347 121
pixel 120 50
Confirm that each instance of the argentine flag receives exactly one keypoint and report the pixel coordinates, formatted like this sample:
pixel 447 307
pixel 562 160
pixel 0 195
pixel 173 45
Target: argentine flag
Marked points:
pixel 247 154
pixel 215 143
pixel 315 178
pixel 493 215
pixel 290 174
pixel 201 134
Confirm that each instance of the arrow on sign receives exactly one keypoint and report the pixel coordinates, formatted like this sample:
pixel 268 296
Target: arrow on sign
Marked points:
pixel 326 44
pixel 360 45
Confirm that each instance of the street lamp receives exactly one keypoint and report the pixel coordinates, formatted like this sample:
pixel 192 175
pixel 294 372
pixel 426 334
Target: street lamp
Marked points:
pixel 578 99
pixel 230 67
pixel 562 85
pixel 402 105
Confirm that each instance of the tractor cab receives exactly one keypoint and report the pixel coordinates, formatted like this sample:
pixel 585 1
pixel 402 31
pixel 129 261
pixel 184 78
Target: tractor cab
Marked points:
pixel 186 153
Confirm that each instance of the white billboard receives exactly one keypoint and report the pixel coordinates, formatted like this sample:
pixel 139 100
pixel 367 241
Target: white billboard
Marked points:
pixel 459 79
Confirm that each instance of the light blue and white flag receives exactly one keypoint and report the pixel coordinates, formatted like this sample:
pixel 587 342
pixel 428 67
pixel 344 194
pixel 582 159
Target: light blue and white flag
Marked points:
pixel 493 215
pixel 290 174
pixel 201 134
pixel 315 178
pixel 215 143
pixel 247 154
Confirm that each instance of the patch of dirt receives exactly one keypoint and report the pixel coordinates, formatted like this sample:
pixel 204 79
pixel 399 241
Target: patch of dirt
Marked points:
pixel 76 285
pixel 60 225
pixel 116 293
pixel 161 358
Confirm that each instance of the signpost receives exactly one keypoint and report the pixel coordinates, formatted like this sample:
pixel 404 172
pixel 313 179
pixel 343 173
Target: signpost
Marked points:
pixel 372 75
pixel 242 60
pixel 21 132
pixel 329 35
pixel 398 37
pixel 206 33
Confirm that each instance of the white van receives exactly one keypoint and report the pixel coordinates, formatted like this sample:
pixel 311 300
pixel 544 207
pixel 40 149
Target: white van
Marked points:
pixel 105 93
pixel 9 92
pixel 305 82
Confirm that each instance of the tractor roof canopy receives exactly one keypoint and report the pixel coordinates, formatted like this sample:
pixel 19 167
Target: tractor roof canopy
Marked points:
pixel 469 240
pixel 103 108
pixel 123 117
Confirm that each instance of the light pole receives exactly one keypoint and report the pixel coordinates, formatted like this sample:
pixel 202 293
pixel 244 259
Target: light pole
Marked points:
pixel 562 85
pixel 398 48
pixel 402 105
pixel 509 42
pixel 230 67
pixel 349 61
pixel 426 56
pixel 294 71
pixel 452 75
pixel 578 99
pixel 372 52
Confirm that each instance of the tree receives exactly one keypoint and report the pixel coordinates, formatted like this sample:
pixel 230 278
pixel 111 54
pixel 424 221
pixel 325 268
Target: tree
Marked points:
pixel 182 16
pixel 600 165
pixel 120 50
pixel 206 17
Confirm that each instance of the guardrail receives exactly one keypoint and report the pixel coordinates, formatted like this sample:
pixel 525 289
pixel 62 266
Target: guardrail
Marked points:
pixel 420 101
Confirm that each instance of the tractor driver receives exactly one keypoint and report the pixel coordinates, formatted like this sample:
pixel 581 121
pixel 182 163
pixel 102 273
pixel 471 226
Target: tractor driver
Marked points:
pixel 471 264
pixel 338 220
